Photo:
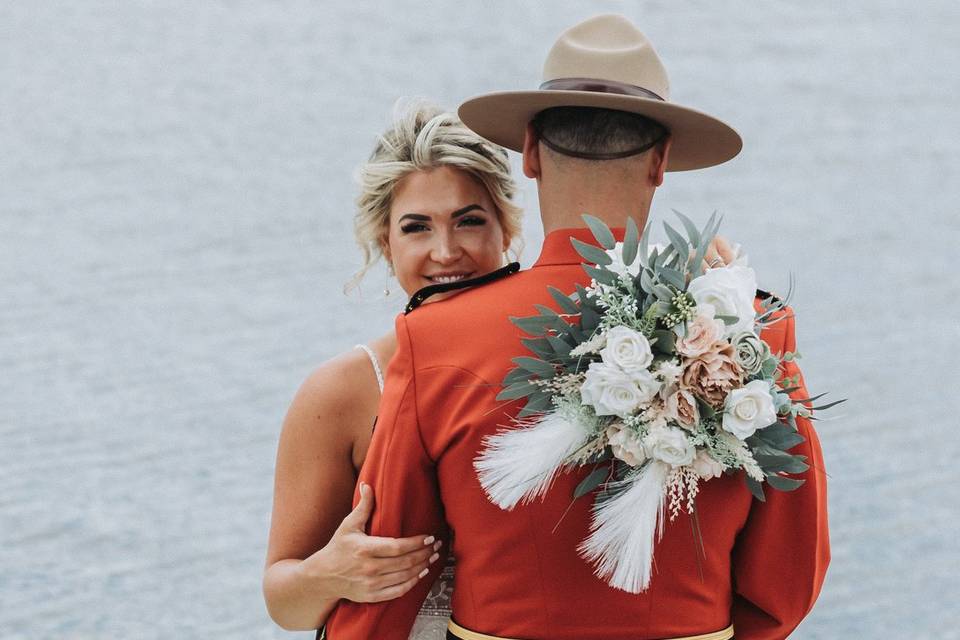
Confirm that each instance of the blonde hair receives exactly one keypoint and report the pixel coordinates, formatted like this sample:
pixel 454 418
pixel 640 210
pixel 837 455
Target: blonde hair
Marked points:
pixel 425 137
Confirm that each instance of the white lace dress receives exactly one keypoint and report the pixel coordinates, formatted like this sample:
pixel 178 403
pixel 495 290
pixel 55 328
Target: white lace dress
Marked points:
pixel 431 622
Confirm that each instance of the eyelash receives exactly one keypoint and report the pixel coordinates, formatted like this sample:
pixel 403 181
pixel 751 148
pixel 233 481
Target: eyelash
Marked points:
pixel 468 221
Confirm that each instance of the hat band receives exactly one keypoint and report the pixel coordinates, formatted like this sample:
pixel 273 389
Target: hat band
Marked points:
pixel 599 86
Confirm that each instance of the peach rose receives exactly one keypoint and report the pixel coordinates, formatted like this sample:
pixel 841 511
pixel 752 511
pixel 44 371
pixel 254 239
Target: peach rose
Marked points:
pixel 682 407
pixel 700 335
pixel 712 375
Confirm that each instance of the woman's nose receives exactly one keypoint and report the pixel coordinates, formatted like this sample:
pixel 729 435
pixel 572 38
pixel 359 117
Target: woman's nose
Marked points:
pixel 446 250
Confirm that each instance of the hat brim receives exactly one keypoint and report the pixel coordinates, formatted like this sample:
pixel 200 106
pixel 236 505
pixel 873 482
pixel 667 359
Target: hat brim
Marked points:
pixel 698 140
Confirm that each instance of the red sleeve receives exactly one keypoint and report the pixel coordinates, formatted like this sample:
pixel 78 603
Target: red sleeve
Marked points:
pixel 407 500
pixel 782 552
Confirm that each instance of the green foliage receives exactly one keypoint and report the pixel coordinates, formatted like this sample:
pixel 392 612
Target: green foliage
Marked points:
pixel 600 231
pixel 597 477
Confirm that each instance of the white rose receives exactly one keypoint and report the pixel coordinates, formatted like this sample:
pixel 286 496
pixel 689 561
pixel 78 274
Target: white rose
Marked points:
pixel 706 467
pixel 749 408
pixel 625 445
pixel 627 349
pixel 614 392
pixel 669 445
pixel 617 266
pixel 731 291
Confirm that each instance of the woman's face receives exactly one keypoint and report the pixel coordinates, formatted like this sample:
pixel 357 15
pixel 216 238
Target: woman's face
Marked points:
pixel 443 228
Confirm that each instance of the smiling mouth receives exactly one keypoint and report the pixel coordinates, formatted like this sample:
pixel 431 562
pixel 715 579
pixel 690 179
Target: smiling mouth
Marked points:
pixel 447 278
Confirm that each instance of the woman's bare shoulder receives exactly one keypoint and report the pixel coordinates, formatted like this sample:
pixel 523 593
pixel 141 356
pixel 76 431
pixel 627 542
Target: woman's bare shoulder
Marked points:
pixel 336 399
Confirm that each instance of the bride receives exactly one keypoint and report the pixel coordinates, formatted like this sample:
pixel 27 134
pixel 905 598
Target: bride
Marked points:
pixel 435 203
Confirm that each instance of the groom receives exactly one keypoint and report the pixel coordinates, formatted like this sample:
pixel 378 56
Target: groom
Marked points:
pixel 597 136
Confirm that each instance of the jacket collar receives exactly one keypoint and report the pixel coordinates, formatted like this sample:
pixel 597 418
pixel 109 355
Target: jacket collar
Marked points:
pixel 557 248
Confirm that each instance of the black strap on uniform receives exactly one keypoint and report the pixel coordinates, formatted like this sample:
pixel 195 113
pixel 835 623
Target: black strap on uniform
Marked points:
pixel 420 296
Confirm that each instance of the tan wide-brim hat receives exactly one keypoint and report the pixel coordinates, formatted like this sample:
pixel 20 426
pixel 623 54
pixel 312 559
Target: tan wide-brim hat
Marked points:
pixel 605 62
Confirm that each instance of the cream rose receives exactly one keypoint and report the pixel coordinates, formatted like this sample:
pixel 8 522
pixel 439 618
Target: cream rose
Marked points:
pixel 706 467
pixel 670 445
pixel 614 392
pixel 627 349
pixel 731 291
pixel 748 409
pixel 625 445
pixel 700 334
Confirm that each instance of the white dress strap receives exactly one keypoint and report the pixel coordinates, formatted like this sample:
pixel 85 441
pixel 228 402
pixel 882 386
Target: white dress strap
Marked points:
pixel 374 362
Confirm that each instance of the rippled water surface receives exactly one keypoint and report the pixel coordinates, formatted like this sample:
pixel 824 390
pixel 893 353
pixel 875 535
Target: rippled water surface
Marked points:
pixel 175 215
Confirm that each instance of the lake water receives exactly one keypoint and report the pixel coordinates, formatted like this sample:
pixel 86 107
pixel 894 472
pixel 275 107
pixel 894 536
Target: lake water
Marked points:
pixel 175 229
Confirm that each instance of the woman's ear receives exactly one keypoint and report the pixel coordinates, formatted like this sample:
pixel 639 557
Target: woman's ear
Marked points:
pixel 531 152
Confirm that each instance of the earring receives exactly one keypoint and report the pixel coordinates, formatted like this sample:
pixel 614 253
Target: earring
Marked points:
pixel 386 280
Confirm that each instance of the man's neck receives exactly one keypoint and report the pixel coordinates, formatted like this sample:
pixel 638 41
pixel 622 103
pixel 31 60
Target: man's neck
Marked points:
pixel 564 211
pixel 611 191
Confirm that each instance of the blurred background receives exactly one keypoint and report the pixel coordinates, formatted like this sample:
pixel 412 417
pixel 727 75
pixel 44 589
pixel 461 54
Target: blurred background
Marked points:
pixel 176 200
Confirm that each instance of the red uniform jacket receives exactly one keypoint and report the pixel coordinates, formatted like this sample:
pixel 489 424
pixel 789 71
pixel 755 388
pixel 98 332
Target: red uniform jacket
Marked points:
pixel 518 573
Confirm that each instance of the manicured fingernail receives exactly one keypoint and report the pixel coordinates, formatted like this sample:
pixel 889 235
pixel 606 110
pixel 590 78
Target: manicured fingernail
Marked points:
pixel 428 540
pixel 437 545
pixel 434 558
pixel 423 573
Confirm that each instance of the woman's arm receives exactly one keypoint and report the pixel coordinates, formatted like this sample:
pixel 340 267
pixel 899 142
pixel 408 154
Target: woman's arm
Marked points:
pixel 318 552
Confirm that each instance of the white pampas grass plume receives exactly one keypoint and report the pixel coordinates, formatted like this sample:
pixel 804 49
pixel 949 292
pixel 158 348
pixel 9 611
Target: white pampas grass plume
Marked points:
pixel 520 464
pixel 624 530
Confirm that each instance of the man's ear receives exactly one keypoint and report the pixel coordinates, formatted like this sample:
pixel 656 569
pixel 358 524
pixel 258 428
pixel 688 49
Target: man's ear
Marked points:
pixel 531 152
pixel 659 164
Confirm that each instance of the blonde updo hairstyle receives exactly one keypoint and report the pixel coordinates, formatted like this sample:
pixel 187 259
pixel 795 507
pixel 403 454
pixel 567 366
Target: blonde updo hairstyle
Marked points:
pixel 424 137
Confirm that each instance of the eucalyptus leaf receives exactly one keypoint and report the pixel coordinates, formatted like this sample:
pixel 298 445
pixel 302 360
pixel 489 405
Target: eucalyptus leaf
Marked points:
pixel 589 319
pixel 691 228
pixel 535 365
pixel 600 231
pixel 535 405
pixel 643 251
pixel 646 281
pixel 783 484
pixel 515 375
pixel 539 346
pixel 679 244
pixel 559 346
pixel 663 292
pixel 563 301
pixel 533 325
pixel 591 482
pixel 755 488
pixel 518 390
pixel 666 340
pixel 705 409
pixel 706 236
pixel 673 277
pixel 631 242
pixel 590 253
pixel 601 275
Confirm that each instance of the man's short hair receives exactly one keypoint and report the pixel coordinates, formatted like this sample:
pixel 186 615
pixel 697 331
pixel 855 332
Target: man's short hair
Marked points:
pixel 592 133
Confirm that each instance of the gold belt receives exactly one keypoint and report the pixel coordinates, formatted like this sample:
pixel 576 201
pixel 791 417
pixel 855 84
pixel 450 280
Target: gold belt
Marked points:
pixel 466 634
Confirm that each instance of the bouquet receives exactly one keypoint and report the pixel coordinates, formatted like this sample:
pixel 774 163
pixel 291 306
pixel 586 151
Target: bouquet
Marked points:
pixel 654 375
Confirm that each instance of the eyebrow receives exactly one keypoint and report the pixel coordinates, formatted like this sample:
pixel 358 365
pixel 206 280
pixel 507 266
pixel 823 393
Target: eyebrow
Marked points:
pixel 453 216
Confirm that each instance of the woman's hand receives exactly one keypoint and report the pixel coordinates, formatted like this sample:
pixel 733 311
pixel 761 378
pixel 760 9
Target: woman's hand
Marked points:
pixel 720 253
pixel 364 568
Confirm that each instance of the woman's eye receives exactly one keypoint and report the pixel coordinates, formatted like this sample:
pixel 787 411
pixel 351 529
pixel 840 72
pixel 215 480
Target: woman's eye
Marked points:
pixel 413 227
pixel 473 221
